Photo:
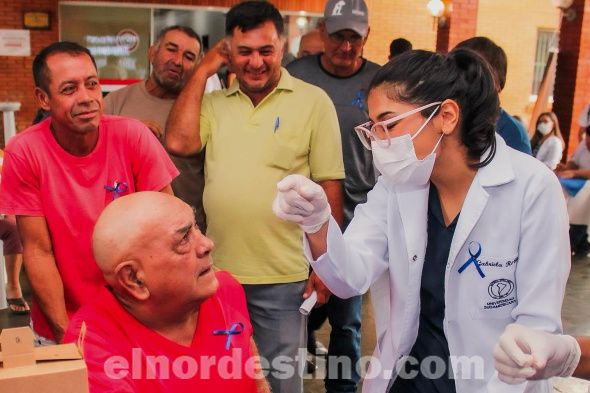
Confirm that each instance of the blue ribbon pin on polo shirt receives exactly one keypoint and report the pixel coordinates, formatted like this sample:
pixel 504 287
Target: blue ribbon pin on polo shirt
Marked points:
pixel 359 99
pixel 473 258
pixel 233 330
pixel 118 188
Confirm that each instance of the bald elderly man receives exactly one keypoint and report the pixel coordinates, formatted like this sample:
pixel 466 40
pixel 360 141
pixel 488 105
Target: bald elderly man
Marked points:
pixel 311 43
pixel 165 321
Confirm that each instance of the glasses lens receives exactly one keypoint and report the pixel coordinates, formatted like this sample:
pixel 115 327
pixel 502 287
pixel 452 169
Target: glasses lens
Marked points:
pixel 382 135
pixel 363 135
pixel 339 39
pixel 356 40
pixel 336 38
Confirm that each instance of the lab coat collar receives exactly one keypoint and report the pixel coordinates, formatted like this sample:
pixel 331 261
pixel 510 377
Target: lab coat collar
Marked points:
pixel 499 170
pixel 413 204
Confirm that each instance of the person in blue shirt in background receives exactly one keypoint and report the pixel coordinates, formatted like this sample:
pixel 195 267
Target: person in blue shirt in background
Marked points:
pixel 510 129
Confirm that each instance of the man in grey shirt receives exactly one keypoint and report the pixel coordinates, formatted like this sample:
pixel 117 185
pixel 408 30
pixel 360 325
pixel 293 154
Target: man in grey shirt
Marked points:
pixel 173 56
pixel 344 75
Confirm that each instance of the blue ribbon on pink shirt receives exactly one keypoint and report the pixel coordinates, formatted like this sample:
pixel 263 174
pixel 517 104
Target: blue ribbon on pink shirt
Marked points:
pixel 233 330
pixel 120 187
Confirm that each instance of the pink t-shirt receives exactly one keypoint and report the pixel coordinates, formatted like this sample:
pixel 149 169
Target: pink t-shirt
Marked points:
pixel 123 355
pixel 41 179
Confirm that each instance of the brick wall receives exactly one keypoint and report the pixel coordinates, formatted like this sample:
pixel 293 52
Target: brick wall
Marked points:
pixel 390 19
pixel 444 29
pixel 513 25
pixel 463 21
pixel 16 81
pixel 460 23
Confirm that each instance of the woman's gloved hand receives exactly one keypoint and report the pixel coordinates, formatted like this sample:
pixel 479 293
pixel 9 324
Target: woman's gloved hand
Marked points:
pixel 302 201
pixel 523 353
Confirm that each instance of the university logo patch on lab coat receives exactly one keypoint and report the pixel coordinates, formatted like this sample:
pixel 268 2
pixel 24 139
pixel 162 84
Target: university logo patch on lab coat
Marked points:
pixel 494 296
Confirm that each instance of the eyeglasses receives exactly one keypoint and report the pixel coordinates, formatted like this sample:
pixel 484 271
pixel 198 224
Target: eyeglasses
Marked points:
pixel 338 39
pixel 379 132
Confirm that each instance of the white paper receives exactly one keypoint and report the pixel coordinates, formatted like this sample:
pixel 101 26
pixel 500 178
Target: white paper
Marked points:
pixel 15 42
pixel 309 303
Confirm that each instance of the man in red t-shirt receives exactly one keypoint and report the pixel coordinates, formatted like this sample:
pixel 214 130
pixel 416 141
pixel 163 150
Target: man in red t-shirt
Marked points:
pixel 165 321
pixel 59 175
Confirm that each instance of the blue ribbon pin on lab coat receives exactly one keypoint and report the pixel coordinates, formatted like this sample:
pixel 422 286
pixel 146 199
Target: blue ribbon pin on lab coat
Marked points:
pixel 473 258
pixel 118 188
pixel 233 330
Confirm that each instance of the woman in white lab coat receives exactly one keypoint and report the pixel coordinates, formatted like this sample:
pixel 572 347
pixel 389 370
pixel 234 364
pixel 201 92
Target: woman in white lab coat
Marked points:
pixel 547 143
pixel 460 237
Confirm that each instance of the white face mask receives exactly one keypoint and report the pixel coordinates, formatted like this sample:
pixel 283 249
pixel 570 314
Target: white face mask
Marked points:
pixel 544 128
pixel 399 163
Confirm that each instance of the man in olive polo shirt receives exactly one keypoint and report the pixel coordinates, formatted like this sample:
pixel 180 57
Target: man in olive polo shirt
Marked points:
pixel 265 126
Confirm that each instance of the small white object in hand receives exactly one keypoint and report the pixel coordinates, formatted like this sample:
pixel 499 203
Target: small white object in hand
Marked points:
pixel 309 303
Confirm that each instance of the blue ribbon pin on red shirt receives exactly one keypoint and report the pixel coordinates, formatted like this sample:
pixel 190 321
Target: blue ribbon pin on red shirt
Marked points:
pixel 233 330
pixel 118 188
pixel 473 258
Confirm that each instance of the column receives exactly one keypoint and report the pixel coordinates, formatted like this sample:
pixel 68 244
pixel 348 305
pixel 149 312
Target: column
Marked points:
pixel 460 24
pixel 572 77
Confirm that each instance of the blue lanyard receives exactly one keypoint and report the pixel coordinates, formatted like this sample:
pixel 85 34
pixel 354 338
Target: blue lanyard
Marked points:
pixel 233 330
pixel 473 258
pixel 119 187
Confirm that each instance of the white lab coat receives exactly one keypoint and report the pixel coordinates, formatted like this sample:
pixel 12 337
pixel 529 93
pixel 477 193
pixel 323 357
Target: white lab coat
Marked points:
pixel 515 209
pixel 550 152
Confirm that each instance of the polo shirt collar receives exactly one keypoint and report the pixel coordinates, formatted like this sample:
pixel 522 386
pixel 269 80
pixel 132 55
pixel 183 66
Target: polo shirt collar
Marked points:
pixel 285 83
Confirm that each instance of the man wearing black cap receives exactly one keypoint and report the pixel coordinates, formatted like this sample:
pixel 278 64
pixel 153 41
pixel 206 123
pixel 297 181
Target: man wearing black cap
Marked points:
pixel 344 74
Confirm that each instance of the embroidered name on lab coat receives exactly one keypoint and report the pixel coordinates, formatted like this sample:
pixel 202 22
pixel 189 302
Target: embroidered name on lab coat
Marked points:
pixel 496 263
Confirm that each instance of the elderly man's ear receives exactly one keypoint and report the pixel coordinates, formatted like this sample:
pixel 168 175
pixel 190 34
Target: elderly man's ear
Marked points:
pixel 129 275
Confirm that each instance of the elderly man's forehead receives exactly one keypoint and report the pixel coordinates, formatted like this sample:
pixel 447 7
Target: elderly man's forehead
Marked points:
pixel 178 216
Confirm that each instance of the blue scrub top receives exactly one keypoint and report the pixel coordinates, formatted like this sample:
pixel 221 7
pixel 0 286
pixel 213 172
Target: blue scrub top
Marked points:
pixel 431 339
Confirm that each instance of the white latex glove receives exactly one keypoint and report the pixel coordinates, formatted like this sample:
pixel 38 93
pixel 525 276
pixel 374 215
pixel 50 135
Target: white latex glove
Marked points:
pixel 302 201
pixel 524 353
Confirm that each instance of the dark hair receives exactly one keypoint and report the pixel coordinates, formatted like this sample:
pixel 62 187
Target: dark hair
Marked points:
pixel 492 53
pixel 399 46
pixel 185 29
pixel 420 77
pixel 40 69
pixel 249 15
pixel 556 131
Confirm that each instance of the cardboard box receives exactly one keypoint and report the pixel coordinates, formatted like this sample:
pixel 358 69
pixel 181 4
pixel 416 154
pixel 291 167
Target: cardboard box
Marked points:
pixel 51 369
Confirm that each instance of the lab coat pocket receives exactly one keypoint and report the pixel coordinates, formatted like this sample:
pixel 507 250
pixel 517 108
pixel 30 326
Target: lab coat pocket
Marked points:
pixel 494 296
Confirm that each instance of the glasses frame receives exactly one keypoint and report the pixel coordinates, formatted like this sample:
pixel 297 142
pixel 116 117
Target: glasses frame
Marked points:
pixel 366 134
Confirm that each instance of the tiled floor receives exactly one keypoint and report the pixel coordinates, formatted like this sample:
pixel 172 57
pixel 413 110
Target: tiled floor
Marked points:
pixel 576 320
